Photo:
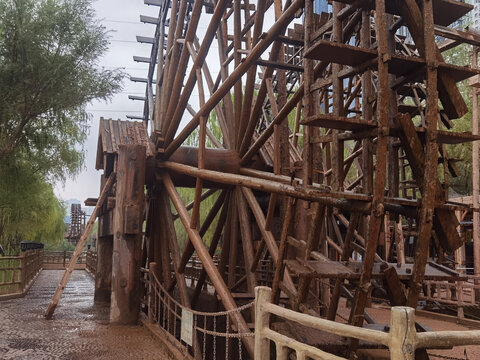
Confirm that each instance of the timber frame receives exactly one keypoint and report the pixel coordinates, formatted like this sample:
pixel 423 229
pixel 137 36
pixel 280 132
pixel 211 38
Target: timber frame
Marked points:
pixel 327 168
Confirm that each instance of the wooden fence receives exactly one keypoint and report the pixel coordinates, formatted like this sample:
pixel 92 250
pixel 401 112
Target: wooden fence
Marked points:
pixel 58 260
pixel 91 262
pixel 458 293
pixel 18 272
pixel 402 340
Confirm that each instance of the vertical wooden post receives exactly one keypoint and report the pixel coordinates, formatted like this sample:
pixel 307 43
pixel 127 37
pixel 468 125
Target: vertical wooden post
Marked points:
pixel 426 211
pixel 103 273
pixel 23 270
pixel 377 213
pixel 402 333
pixel 127 223
pixel 78 250
pixel 475 179
pixel 152 269
pixel 263 295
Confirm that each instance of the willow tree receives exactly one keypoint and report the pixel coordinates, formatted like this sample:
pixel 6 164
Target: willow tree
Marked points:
pixel 49 56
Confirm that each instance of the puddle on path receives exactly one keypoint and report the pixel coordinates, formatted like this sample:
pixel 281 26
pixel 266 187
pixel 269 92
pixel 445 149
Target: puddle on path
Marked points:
pixel 79 329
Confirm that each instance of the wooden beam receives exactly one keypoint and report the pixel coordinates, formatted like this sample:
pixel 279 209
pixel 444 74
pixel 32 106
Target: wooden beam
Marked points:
pixel 128 233
pixel 209 265
pixel 267 235
pixel 78 249
pixel 255 53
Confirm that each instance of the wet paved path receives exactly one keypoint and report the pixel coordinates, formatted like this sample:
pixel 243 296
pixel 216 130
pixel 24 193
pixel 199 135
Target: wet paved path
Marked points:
pixel 79 329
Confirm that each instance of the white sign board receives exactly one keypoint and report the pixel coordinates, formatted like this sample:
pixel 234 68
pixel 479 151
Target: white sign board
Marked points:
pixel 186 330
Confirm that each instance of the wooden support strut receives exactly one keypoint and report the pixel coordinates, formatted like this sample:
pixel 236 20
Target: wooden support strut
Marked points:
pixel 208 264
pixel 262 45
pixel 78 249
pixel 376 217
pixel 431 161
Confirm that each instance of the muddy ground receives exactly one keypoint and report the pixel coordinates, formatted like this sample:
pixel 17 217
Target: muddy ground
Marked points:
pixel 79 329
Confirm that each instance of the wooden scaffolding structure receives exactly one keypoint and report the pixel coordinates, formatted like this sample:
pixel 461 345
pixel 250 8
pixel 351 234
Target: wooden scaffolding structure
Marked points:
pixel 323 137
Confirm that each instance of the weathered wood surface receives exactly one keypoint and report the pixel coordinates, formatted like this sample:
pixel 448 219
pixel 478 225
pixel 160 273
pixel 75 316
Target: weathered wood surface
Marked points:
pixel 78 250
pixel 326 143
pixel 127 239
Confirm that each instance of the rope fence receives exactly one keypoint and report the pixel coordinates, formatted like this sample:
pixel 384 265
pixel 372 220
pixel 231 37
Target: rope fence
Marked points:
pixel 212 334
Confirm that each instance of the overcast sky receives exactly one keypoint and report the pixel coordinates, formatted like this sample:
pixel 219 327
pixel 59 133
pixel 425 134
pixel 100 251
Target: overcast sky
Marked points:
pixel 122 19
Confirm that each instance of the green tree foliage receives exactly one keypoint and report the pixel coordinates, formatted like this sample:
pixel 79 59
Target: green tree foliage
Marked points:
pixel 33 215
pixel 461 55
pixel 188 194
pixel 49 54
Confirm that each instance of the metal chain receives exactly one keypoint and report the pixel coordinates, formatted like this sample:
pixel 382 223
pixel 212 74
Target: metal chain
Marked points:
pixel 204 336
pixel 227 340
pixel 169 306
pixel 449 357
pixel 214 338
pixel 240 348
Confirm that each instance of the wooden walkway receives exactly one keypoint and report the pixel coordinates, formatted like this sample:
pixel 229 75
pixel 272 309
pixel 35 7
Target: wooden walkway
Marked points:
pixel 79 330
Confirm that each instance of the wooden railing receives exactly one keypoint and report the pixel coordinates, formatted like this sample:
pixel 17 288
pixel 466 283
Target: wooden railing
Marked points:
pixel 458 293
pixel 402 340
pixel 57 260
pixel 211 335
pixel 91 262
pixel 18 272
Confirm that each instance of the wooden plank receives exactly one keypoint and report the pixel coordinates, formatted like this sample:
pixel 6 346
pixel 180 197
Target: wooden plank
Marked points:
pixel 394 287
pixel 448 92
pixel 430 183
pixel 78 250
pixel 339 53
pixel 446 12
pixel 462 36
pixel 280 65
pixel 325 268
pixel 339 122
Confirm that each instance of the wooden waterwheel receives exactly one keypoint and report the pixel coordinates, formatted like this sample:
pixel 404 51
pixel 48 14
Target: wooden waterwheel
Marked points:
pixel 319 135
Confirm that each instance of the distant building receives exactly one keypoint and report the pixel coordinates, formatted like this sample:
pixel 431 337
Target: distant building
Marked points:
pixel 77 223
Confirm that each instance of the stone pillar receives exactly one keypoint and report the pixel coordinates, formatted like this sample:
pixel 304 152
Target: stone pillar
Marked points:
pixel 127 234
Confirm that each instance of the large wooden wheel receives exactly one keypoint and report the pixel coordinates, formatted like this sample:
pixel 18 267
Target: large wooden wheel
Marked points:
pixel 320 136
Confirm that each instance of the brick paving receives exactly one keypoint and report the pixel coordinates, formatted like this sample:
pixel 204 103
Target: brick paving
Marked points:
pixel 79 329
